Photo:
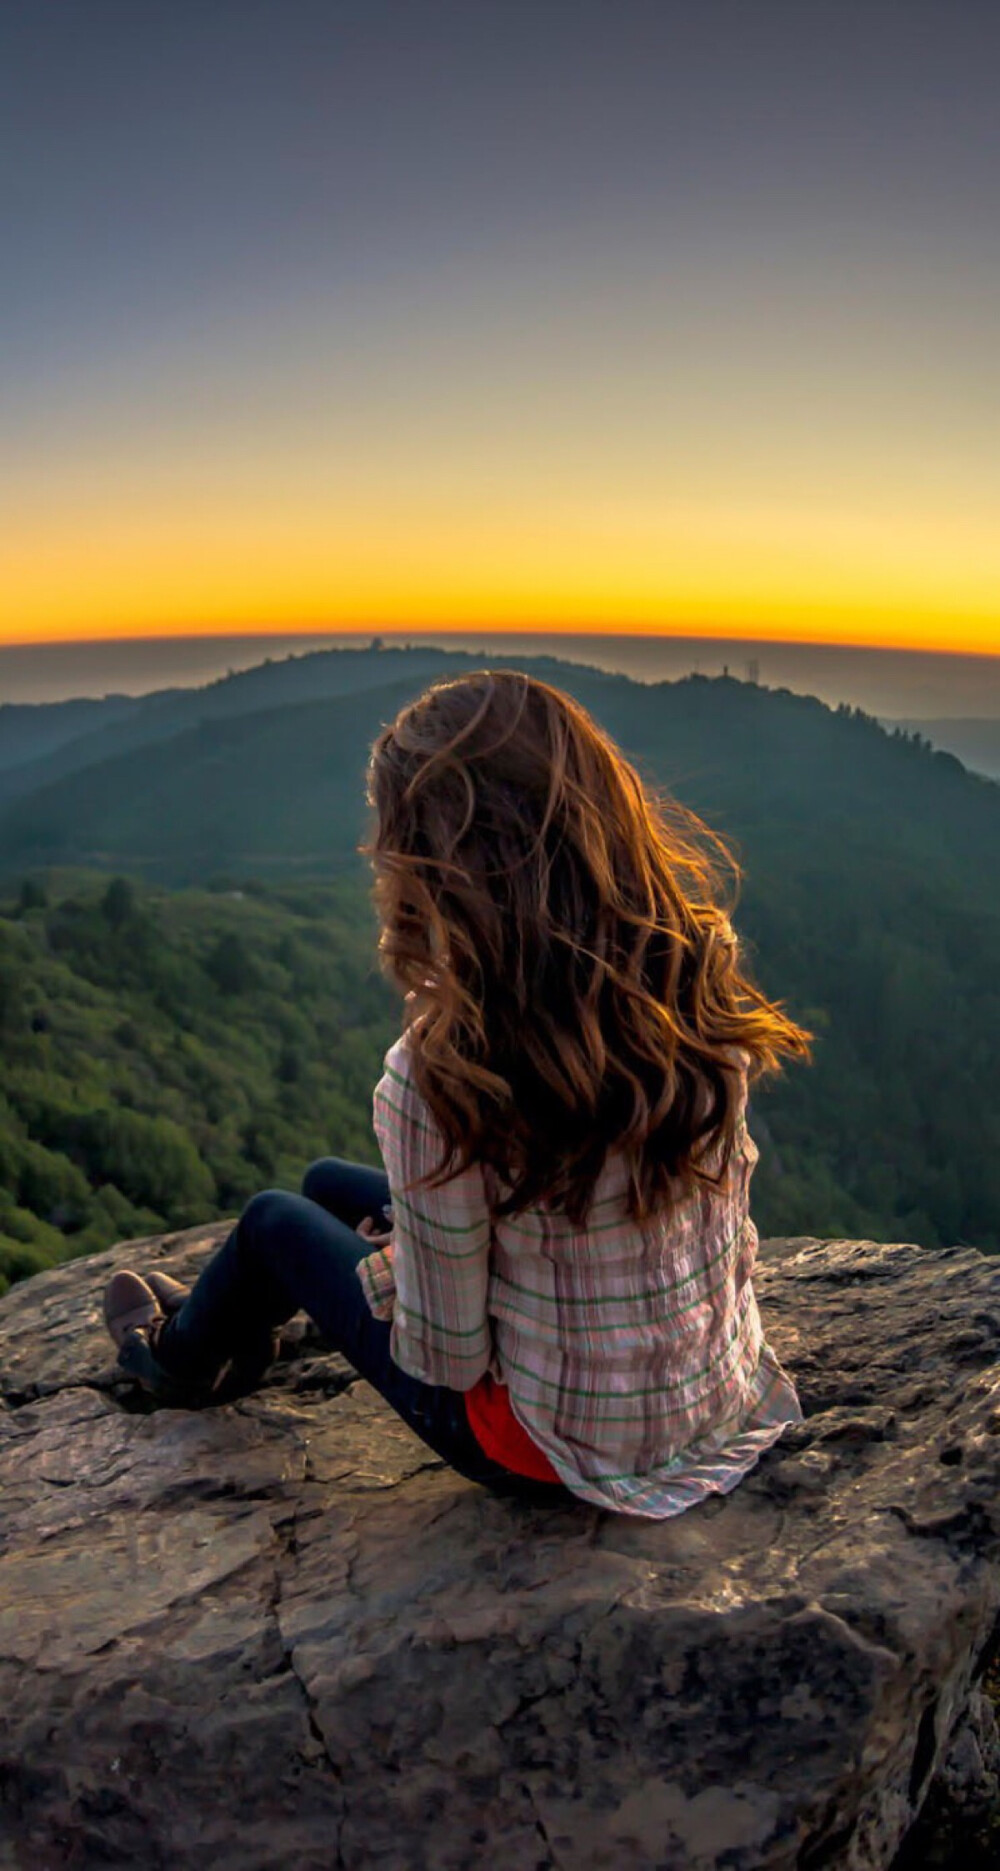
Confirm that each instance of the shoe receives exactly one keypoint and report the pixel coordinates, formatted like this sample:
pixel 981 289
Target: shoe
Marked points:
pixel 135 1311
pixel 129 1305
pixel 134 1317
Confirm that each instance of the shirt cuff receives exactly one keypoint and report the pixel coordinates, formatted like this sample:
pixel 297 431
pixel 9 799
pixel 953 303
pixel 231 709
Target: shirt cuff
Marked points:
pixel 378 1282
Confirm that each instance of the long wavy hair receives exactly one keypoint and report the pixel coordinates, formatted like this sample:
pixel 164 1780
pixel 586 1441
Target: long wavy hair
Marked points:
pixel 573 984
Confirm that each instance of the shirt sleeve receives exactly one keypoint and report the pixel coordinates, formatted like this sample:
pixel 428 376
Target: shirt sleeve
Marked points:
pixel 440 1241
pixel 378 1281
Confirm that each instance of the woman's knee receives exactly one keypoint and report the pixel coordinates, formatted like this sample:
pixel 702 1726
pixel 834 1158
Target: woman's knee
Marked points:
pixel 268 1202
pixel 321 1176
pixel 347 1190
pixel 268 1215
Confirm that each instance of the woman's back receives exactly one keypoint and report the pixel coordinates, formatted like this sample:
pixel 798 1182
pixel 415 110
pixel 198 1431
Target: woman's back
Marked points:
pixel 632 1352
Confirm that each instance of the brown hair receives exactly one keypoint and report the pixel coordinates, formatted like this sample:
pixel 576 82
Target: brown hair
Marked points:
pixel 573 985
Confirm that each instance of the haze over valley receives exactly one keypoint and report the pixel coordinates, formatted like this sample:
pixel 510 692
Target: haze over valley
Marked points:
pixel 890 683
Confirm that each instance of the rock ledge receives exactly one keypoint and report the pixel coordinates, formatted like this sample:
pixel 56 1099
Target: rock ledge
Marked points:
pixel 280 1633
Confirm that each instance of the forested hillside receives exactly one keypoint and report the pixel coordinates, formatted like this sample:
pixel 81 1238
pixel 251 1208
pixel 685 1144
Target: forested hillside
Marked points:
pixel 976 741
pixel 230 1036
pixel 166 1055
pixel 35 731
pixel 278 790
pixel 43 742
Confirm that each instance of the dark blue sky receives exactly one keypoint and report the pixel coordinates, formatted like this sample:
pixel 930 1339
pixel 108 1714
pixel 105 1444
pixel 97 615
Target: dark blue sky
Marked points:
pixel 154 151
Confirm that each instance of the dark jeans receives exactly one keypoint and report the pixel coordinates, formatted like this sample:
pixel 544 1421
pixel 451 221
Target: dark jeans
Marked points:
pixel 291 1253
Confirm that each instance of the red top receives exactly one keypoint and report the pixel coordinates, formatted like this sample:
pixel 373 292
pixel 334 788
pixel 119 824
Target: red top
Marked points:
pixel 500 1435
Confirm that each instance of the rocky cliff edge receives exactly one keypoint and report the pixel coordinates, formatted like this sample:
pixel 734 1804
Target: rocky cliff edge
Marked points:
pixel 280 1633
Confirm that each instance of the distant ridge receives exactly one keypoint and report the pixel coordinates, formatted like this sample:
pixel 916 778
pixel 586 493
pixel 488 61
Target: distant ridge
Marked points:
pixel 37 748
pixel 976 743
pixel 42 742
pixel 263 771
pixel 35 730
pixel 888 683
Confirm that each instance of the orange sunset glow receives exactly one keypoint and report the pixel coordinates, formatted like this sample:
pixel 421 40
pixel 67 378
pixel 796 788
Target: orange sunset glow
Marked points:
pixel 354 357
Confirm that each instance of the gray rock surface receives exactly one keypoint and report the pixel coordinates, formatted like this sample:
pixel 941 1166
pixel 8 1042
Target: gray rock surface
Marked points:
pixel 281 1633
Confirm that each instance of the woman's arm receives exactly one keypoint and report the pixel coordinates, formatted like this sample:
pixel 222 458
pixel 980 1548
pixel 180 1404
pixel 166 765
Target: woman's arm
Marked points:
pixel 375 1271
pixel 438 1259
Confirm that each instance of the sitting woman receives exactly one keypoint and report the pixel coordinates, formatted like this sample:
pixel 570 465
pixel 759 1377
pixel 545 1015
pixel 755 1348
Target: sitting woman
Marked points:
pixel 551 1280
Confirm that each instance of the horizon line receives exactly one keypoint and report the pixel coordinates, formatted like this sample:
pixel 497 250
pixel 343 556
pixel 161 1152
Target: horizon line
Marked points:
pixel 371 632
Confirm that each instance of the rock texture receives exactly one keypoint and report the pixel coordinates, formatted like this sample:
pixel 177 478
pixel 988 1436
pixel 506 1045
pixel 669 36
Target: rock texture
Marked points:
pixel 281 1633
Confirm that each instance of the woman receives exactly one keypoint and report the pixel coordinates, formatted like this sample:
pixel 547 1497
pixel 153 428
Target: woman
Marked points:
pixel 551 1279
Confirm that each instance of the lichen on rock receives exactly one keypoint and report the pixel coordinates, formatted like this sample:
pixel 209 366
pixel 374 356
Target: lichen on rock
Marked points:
pixel 281 1632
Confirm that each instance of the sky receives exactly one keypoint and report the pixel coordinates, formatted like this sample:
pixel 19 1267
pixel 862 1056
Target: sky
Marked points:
pixel 668 316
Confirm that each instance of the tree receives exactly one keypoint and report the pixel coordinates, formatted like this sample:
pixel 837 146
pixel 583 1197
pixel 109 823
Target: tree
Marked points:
pixel 33 895
pixel 231 966
pixel 118 902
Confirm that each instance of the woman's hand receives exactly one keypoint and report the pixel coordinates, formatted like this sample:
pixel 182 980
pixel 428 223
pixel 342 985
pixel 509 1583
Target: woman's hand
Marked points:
pixel 368 1231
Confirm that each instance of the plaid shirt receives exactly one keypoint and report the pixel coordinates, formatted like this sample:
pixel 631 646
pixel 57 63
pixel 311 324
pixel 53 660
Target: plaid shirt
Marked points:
pixel 633 1354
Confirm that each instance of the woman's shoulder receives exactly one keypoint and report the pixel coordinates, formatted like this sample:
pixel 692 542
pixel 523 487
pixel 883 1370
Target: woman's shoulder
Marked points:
pixel 396 1102
pixel 399 1078
pixel 398 1061
pixel 742 1061
pixel 399 1058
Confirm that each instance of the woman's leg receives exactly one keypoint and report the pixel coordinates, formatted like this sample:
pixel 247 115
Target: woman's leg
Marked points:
pixel 288 1253
pixel 351 1191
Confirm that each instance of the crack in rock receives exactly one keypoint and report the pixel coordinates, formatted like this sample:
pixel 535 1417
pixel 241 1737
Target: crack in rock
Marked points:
pixel 286 1535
